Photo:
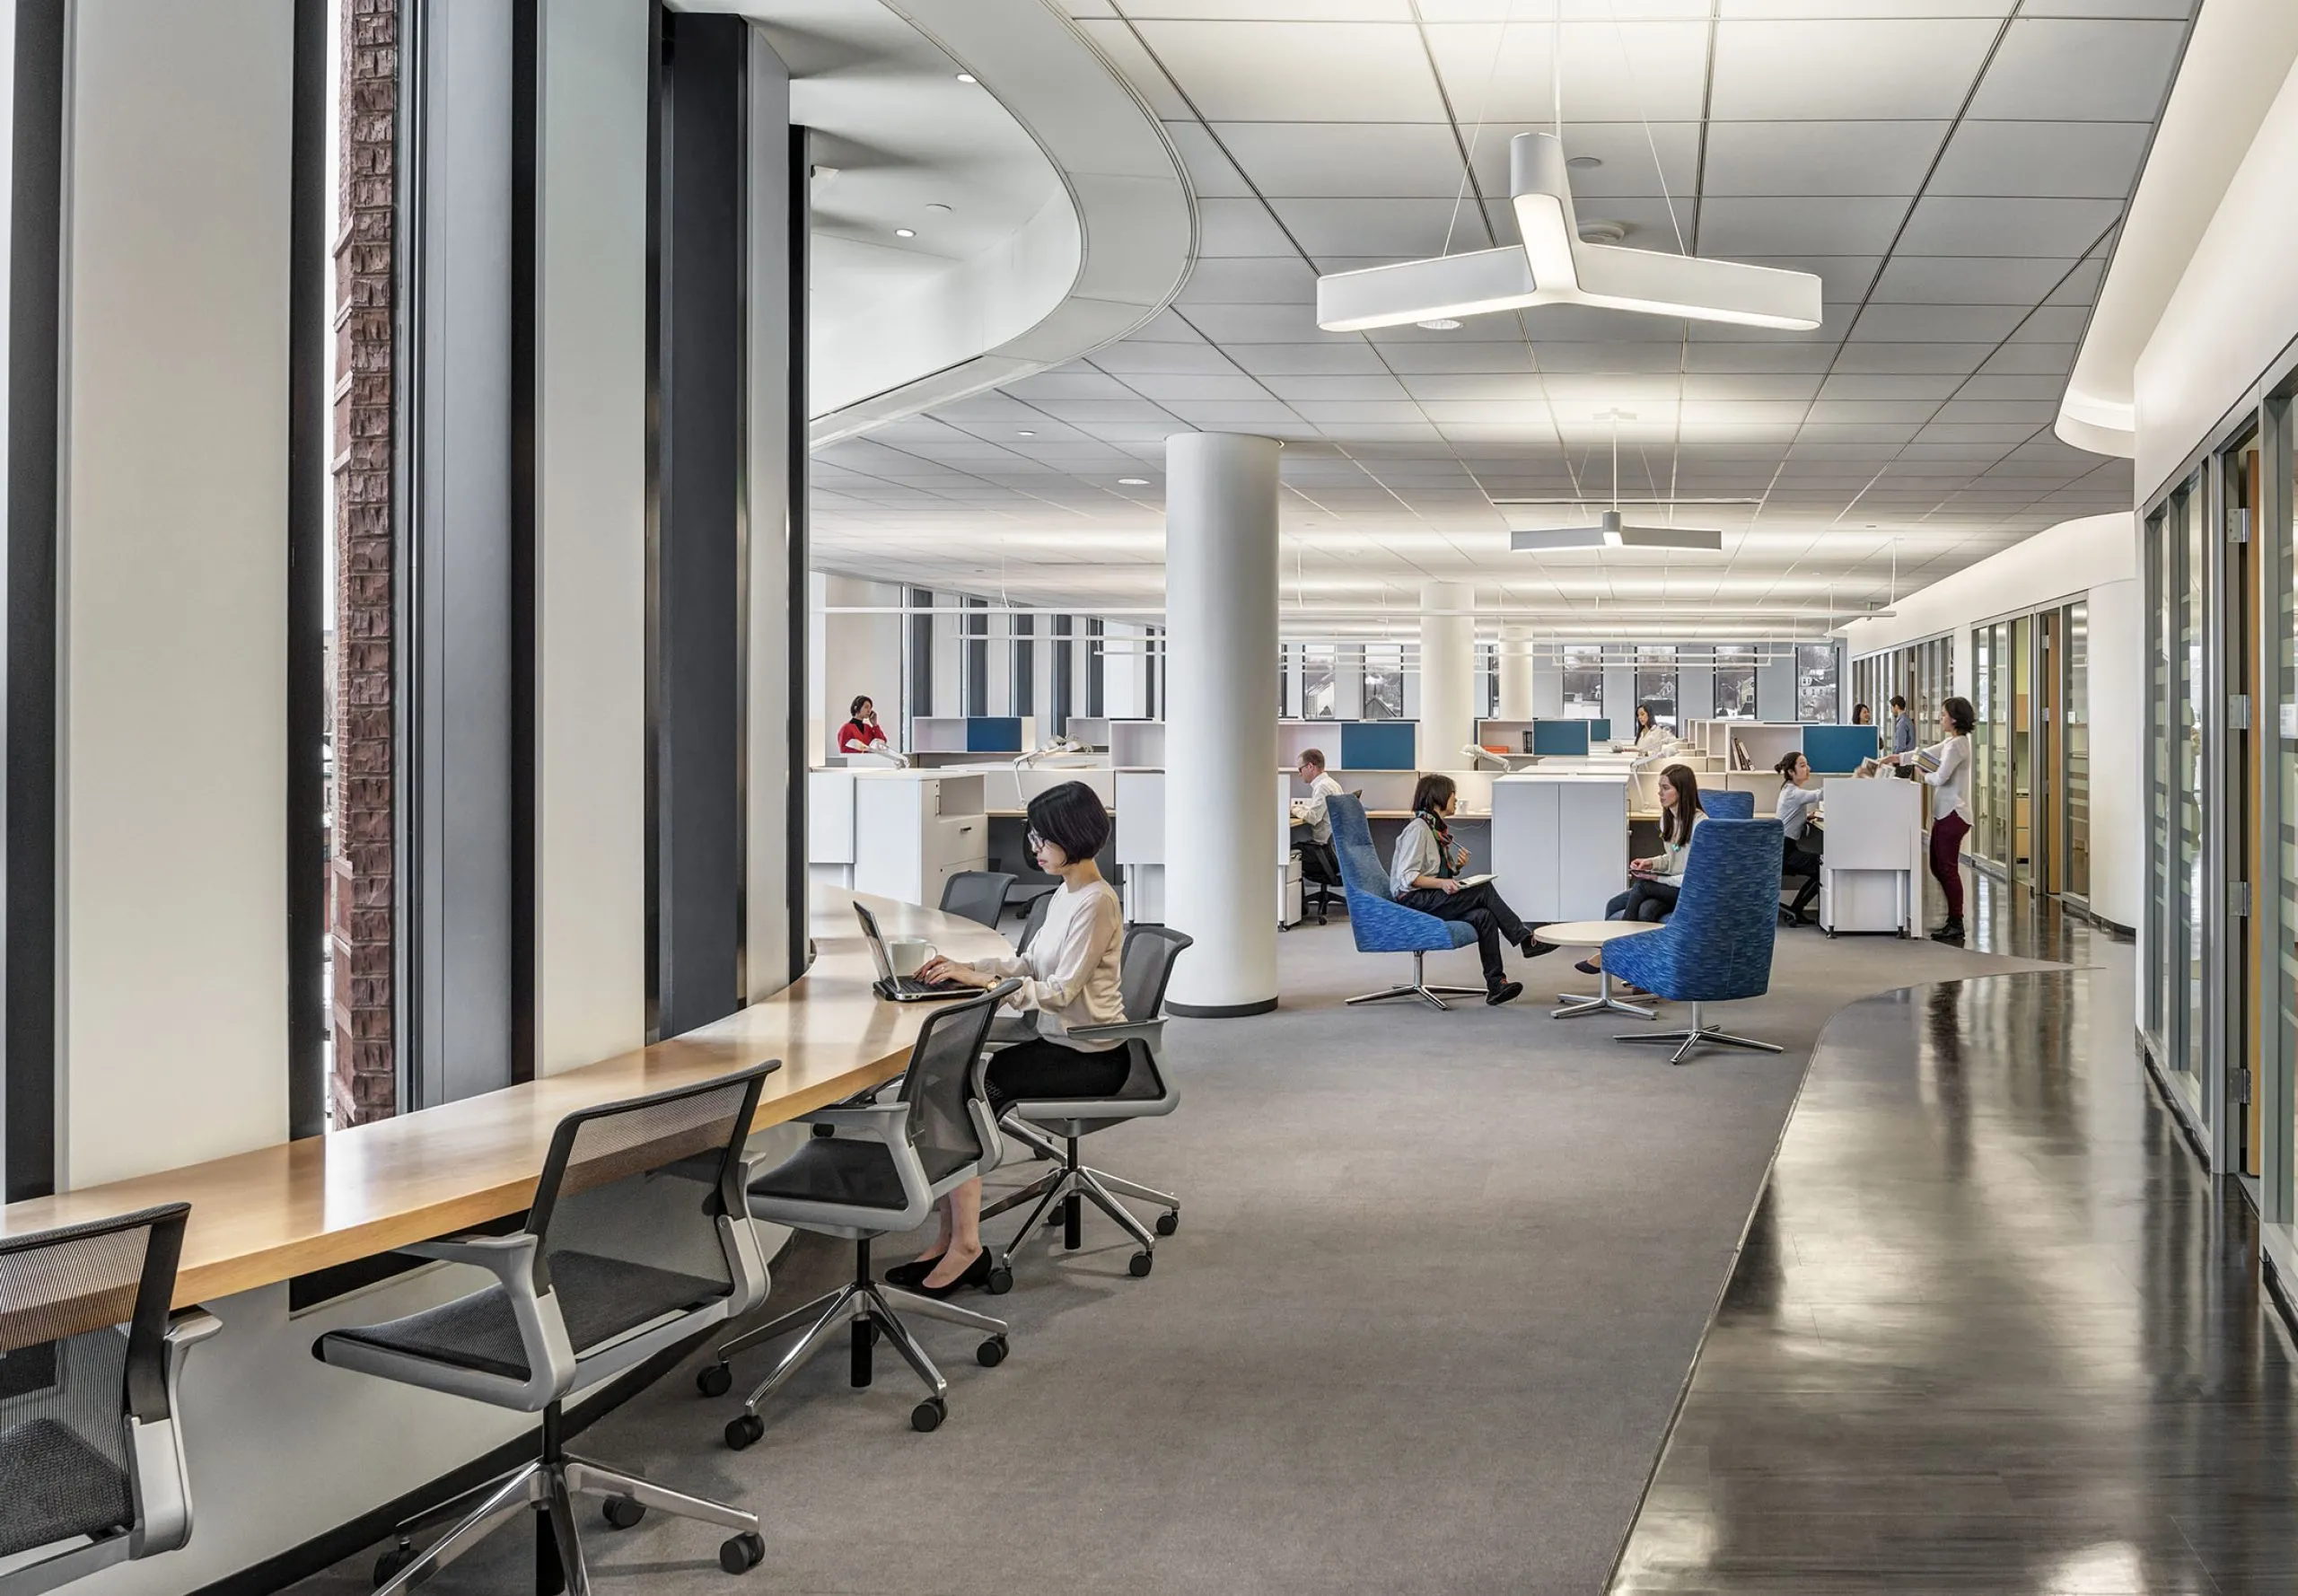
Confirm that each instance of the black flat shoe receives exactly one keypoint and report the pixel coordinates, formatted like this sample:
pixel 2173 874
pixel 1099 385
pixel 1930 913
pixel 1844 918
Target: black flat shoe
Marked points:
pixel 975 1276
pixel 1588 967
pixel 1950 933
pixel 1504 993
pixel 912 1275
pixel 1532 947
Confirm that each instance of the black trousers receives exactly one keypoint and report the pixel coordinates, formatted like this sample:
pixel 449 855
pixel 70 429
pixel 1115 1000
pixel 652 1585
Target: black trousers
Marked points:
pixel 1800 856
pixel 1040 1068
pixel 1481 907
pixel 1645 900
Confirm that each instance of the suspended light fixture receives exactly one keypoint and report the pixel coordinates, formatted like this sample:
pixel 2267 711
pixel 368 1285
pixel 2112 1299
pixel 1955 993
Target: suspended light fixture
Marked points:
pixel 1555 266
pixel 1610 531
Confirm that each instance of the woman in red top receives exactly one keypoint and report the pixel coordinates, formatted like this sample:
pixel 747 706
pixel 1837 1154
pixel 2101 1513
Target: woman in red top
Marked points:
pixel 862 734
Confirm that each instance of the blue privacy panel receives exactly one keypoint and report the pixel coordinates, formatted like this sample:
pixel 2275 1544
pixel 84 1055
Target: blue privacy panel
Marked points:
pixel 1560 737
pixel 1600 731
pixel 1836 750
pixel 1379 745
pixel 994 734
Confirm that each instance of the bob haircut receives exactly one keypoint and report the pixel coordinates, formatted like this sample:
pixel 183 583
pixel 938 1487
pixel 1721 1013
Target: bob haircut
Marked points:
pixel 1687 803
pixel 1959 711
pixel 854 710
pixel 1432 793
pixel 1072 818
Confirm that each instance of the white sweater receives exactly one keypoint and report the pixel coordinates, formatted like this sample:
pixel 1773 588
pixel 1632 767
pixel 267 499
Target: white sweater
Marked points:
pixel 1070 974
pixel 1952 778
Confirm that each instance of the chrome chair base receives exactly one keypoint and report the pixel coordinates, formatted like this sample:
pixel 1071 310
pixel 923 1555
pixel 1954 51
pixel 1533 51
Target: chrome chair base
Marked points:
pixel 548 1485
pixel 1071 1184
pixel 1420 988
pixel 1698 1035
pixel 1601 1002
pixel 868 1307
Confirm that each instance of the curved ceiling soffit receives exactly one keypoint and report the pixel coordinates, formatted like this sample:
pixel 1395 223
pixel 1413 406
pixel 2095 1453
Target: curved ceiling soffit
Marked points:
pixel 2237 56
pixel 1133 212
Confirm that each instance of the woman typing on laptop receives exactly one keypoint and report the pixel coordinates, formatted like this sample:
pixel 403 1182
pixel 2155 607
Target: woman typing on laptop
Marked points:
pixel 1070 976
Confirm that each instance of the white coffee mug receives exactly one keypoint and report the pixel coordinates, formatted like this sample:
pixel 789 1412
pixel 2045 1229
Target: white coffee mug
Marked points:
pixel 907 954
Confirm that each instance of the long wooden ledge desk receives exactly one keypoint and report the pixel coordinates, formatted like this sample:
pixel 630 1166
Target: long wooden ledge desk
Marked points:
pixel 284 1450
pixel 298 1206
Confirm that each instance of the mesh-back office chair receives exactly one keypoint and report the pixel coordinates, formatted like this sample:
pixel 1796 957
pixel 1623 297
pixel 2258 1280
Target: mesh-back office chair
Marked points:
pixel 91 1467
pixel 558 1320
pixel 879 1170
pixel 1379 923
pixel 1717 945
pixel 1148 965
pixel 979 895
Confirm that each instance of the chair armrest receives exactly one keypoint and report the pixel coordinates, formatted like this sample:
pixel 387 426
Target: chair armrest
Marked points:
pixel 163 1490
pixel 506 1257
pixel 1152 1031
pixel 875 1118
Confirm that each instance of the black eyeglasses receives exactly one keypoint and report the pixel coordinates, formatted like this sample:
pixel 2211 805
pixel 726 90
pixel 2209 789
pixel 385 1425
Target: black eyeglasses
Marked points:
pixel 1035 841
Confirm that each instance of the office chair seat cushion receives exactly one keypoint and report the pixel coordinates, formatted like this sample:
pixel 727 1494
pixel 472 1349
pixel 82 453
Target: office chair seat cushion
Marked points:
pixel 849 1172
pixel 599 1298
pixel 56 1486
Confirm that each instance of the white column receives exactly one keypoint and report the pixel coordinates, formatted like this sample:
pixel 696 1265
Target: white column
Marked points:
pixel 1220 728
pixel 1517 673
pixel 1447 672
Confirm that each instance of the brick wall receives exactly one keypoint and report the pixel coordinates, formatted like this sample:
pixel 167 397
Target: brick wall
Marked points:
pixel 361 916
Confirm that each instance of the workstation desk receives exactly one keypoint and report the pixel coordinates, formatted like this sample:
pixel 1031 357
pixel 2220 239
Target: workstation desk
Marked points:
pixel 283 1448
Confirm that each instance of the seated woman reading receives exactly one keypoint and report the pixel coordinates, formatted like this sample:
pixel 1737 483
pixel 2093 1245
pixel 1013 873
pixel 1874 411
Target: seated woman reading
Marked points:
pixel 1424 874
pixel 1654 883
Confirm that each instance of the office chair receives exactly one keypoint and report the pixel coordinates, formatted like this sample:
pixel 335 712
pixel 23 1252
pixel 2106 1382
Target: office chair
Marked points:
pixel 1034 921
pixel 92 1469
pixel 1378 922
pixel 1320 875
pixel 879 1170
pixel 1717 945
pixel 1053 1128
pixel 979 895
pixel 1720 803
pixel 559 1320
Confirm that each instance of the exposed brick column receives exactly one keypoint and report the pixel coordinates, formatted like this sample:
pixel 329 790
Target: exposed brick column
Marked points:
pixel 361 916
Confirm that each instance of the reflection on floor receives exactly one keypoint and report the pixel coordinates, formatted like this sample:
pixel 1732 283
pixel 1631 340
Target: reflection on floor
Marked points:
pixel 1991 1329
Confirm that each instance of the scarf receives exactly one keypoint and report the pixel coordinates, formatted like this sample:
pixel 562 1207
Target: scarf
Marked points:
pixel 1447 862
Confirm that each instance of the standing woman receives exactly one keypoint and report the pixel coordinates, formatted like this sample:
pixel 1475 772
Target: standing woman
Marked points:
pixel 1424 874
pixel 1946 765
pixel 1801 839
pixel 1070 977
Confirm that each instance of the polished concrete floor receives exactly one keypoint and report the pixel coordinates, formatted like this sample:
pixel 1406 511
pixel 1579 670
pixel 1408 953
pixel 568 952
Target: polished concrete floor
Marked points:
pixel 1992 1328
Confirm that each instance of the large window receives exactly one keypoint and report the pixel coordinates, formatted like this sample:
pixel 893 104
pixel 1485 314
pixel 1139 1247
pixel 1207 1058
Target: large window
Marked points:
pixel 1818 692
pixel 1383 681
pixel 1317 692
pixel 1583 682
pixel 1656 683
pixel 1735 682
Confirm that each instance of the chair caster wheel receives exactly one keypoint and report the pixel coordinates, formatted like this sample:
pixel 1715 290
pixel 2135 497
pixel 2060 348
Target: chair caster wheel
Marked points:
pixel 742 1553
pixel 1001 1281
pixel 744 1430
pixel 1139 1265
pixel 928 1416
pixel 388 1566
pixel 714 1380
pixel 990 1353
pixel 622 1512
pixel 1167 1224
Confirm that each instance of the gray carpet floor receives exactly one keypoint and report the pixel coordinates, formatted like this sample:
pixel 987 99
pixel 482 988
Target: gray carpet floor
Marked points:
pixel 1439 1281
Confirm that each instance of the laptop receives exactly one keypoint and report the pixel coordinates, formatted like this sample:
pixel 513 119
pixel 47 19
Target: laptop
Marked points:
pixel 903 989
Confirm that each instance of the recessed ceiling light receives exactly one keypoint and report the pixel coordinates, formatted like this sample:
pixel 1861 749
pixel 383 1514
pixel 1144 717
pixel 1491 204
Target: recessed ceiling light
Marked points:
pixel 1133 482
pixel 1026 434
pixel 937 210
pixel 1602 233
pixel 965 77
pixel 1585 162
pixel 905 233
pixel 1441 324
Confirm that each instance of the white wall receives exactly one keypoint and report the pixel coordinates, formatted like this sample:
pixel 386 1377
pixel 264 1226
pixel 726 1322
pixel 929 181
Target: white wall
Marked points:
pixel 855 655
pixel 2095 557
pixel 172 1022
pixel 590 537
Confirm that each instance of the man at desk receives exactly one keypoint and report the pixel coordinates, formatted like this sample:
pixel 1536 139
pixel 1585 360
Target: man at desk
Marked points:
pixel 1316 862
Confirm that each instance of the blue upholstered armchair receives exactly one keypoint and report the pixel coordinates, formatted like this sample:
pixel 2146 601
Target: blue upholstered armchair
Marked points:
pixel 1718 804
pixel 1717 945
pixel 1378 922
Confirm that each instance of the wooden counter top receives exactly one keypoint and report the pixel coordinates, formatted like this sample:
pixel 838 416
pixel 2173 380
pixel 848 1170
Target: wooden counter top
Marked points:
pixel 264 1216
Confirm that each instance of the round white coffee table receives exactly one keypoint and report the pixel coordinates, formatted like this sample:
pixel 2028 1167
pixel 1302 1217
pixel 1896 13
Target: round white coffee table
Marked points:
pixel 1593 933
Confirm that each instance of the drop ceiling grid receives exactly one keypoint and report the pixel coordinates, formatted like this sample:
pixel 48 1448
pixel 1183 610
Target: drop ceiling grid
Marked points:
pixel 1829 145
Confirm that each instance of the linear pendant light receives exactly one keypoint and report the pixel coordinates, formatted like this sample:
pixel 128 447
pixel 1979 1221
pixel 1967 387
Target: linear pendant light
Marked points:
pixel 1555 266
pixel 1609 531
